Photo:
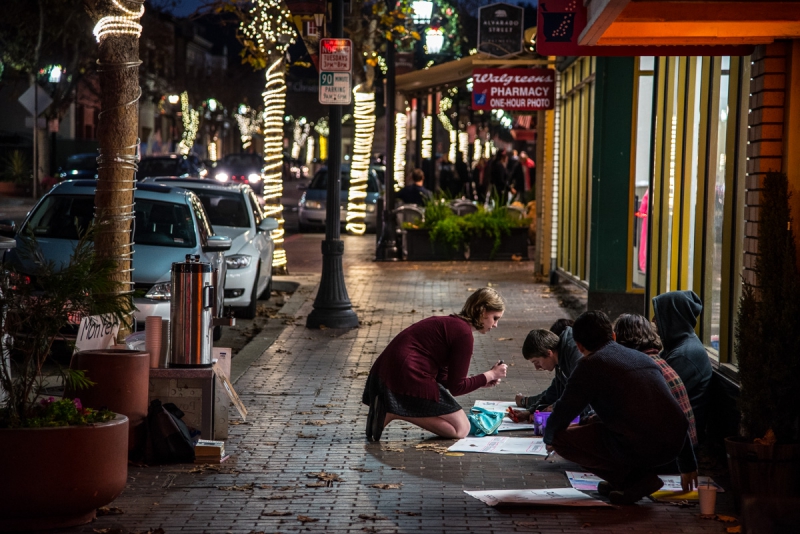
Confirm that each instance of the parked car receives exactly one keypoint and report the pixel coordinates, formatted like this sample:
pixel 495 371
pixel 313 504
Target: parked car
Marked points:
pixel 79 166
pixel 244 168
pixel 170 223
pixel 311 209
pixel 171 166
pixel 235 212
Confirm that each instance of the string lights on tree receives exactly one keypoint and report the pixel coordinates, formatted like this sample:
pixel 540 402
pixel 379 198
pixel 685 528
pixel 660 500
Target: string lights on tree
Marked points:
pixel 427 137
pixel 451 152
pixel 125 21
pixel 300 134
pixel 400 125
pixel 249 124
pixel 309 150
pixel 364 115
pixel 191 123
pixel 463 146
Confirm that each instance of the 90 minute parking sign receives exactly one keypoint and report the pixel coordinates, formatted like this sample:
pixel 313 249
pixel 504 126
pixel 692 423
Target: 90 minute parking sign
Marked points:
pixel 335 82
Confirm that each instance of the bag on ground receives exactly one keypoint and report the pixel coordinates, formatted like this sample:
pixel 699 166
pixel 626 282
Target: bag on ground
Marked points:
pixel 168 438
pixel 483 422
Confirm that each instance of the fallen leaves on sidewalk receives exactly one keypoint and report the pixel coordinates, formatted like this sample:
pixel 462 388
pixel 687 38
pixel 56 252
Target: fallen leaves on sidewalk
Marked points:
pixel 683 504
pixel 109 510
pixel 329 405
pixel 412 514
pixel 526 524
pixel 734 530
pixel 726 518
pixel 368 323
pixel 361 469
pixel 433 447
pixel 308 412
pixel 356 374
pixel 235 423
pixel 317 423
pixel 283 351
pixel 505 339
pixel 275 497
pixel 373 517
pixel 389 448
pixel 387 486
pixel 306 436
pixel 516 257
pixel 305 519
pixel 108 530
pixel 316 484
pixel 329 478
pixel 276 513
pixel 243 487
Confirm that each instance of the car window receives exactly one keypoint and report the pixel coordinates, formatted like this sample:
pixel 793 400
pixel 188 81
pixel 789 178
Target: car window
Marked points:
pixel 163 224
pixel 161 167
pixel 204 225
pixel 255 207
pixel 320 181
pixel 61 217
pixel 224 208
pixel 82 163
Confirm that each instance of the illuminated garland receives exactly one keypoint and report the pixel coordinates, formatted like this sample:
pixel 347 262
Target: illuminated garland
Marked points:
pixel 463 145
pixel 400 125
pixel 476 155
pixel 427 137
pixel 191 123
pixel 249 124
pixel 300 134
pixel 270 27
pixel 445 104
pixel 274 105
pixel 125 24
pixel 451 152
pixel 212 150
pixel 488 149
pixel 323 130
pixel 310 151
pixel 364 113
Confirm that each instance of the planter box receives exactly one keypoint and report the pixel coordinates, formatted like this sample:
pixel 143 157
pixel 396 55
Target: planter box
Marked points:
pixel 417 246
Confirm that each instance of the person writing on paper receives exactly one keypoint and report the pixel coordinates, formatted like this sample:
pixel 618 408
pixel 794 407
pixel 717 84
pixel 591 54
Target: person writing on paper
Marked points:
pixel 641 426
pixel 417 375
pixel 549 352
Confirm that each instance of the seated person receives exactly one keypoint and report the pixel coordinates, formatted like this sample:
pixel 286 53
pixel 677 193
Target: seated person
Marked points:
pixel 550 352
pixel 636 332
pixel 641 426
pixel 560 325
pixel 676 316
pixel 415 193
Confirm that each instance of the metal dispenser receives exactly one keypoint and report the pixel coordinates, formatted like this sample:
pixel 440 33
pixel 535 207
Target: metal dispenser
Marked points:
pixel 192 304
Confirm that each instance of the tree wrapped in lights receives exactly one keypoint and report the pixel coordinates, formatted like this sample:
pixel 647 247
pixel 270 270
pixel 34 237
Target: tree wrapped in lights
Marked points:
pixel 299 135
pixel 249 124
pixel 266 33
pixel 400 125
pixel 364 114
pixel 191 123
pixel 117 31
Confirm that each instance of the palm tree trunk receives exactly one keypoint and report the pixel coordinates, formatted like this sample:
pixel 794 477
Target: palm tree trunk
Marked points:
pixel 274 106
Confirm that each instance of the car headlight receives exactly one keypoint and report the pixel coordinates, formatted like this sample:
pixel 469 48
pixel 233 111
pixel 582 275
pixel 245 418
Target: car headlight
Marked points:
pixel 313 205
pixel 237 261
pixel 221 177
pixel 253 178
pixel 371 208
pixel 162 291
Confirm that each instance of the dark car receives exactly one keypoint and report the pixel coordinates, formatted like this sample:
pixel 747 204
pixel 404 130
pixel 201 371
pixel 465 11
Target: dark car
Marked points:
pixel 242 168
pixel 171 166
pixel 79 166
pixel 312 209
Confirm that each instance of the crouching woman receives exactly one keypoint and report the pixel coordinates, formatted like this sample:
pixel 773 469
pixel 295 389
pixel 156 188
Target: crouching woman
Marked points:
pixel 416 376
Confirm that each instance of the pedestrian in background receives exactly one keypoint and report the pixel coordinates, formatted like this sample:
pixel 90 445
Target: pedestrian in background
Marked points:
pixel 415 192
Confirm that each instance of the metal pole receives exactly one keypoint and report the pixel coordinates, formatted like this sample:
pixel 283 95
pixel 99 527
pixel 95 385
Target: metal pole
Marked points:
pixel 386 248
pixel 35 136
pixel 332 307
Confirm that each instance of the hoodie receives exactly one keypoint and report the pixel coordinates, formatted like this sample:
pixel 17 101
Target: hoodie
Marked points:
pixel 676 316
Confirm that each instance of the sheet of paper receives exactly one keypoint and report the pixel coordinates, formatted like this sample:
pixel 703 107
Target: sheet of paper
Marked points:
pixel 500 406
pixel 500 445
pixel 671 490
pixel 540 497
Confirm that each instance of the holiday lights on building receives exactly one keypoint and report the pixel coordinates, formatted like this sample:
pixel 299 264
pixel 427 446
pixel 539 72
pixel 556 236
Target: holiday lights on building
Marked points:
pixel 191 123
pixel 400 125
pixel 364 114
pixel 125 24
pixel 427 137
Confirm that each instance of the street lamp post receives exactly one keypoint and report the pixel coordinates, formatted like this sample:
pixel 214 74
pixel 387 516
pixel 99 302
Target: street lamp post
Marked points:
pixel 332 307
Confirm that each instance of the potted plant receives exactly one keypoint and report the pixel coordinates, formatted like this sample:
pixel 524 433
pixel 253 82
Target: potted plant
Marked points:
pixel 59 460
pixel 14 172
pixel 765 458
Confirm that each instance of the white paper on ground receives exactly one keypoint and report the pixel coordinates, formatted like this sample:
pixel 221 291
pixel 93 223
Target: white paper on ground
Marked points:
pixel 501 445
pixel 540 497
pixel 501 406
pixel 588 482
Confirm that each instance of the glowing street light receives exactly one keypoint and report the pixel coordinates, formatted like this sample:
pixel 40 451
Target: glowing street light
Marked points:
pixel 173 99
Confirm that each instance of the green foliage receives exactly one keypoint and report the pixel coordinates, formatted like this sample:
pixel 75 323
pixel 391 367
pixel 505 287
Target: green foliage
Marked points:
pixel 37 305
pixel 456 231
pixel 15 168
pixel 50 412
pixel 767 337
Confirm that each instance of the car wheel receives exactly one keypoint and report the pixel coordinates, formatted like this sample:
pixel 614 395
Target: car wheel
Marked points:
pixel 249 311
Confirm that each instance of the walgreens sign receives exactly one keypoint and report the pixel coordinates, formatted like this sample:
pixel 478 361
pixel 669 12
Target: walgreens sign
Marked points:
pixel 513 89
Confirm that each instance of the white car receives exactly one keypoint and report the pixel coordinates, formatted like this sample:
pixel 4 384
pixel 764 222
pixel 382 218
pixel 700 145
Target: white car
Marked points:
pixel 234 211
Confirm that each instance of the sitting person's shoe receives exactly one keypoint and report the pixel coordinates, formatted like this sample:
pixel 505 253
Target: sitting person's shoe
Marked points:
pixel 370 419
pixel 378 411
pixel 604 488
pixel 636 491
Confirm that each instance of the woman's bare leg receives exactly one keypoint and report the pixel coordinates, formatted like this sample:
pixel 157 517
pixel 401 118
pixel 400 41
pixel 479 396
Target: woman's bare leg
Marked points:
pixel 453 425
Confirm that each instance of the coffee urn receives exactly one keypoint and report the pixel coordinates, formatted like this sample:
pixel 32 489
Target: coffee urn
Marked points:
pixel 192 304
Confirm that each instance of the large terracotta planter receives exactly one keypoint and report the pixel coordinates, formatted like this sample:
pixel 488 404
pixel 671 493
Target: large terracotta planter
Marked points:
pixel 57 477
pixel 121 380
pixel 763 470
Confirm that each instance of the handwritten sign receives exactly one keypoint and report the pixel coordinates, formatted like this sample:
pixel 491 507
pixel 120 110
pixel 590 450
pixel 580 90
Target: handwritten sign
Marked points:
pixel 97 332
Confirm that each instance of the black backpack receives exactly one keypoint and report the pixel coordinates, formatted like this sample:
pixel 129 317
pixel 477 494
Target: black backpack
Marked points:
pixel 168 438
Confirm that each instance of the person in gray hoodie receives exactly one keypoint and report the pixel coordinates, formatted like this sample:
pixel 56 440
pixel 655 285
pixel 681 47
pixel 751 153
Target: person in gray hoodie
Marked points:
pixel 676 315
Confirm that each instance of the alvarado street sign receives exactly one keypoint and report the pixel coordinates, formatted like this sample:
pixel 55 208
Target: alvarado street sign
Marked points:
pixel 500 30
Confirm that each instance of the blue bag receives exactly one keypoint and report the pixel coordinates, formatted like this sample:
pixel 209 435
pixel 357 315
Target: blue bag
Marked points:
pixel 482 422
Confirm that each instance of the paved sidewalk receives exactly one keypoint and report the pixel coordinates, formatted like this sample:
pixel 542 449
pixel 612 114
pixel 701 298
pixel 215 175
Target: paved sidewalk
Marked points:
pixel 304 399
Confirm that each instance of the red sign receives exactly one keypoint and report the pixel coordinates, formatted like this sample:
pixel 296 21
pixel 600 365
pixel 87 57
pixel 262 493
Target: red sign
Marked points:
pixel 335 55
pixel 561 22
pixel 513 89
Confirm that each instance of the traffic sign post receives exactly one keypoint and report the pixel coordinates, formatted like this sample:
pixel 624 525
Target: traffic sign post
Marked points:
pixel 335 64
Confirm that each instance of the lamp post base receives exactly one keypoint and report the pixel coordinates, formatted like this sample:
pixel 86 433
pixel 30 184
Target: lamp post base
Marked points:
pixel 332 307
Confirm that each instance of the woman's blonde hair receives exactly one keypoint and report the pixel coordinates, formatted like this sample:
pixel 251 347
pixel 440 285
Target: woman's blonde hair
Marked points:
pixel 483 300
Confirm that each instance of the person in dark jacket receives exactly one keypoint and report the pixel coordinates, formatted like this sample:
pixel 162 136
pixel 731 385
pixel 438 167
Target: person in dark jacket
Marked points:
pixel 415 193
pixel 676 315
pixel 549 352
pixel 641 426
pixel 499 176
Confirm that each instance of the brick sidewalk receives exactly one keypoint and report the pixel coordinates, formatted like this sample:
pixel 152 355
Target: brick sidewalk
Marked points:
pixel 310 376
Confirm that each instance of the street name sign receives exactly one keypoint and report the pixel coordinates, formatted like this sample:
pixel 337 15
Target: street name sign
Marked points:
pixel 335 64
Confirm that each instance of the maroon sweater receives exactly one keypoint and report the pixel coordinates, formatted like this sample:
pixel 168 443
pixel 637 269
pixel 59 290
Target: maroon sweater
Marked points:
pixel 436 349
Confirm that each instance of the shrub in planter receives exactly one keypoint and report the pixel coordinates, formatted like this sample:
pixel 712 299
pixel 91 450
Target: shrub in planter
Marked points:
pixel 765 458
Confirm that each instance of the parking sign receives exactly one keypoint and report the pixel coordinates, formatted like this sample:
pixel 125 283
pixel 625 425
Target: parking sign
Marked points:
pixel 335 64
pixel 335 88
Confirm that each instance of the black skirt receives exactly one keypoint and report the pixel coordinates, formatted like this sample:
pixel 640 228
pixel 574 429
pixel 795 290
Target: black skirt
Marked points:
pixel 408 405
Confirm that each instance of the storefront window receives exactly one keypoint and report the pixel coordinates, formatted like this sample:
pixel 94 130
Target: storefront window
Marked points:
pixel 643 149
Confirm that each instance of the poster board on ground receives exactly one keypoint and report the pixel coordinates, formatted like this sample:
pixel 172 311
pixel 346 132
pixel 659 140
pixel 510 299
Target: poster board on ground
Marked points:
pixel 501 445
pixel 226 384
pixel 538 497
